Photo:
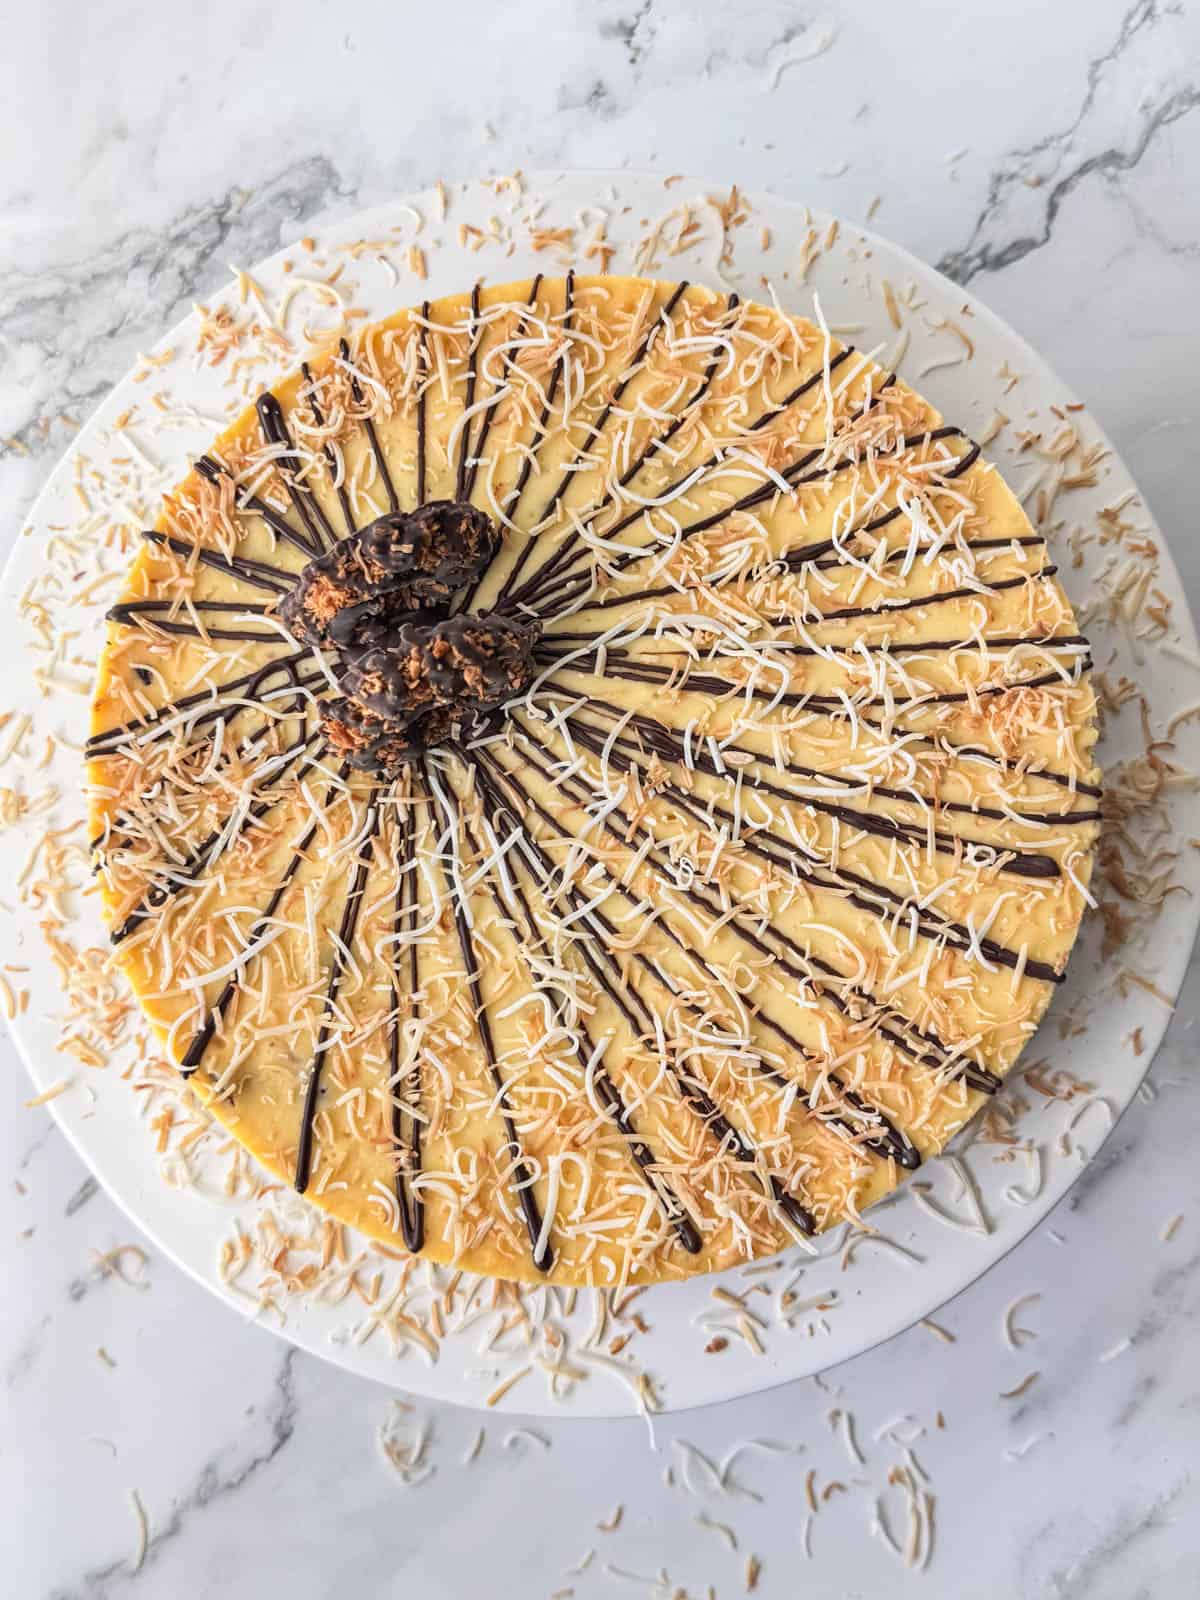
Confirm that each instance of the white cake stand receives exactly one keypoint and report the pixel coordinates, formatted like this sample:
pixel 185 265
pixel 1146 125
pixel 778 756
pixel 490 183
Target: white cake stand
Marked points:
pixel 973 1207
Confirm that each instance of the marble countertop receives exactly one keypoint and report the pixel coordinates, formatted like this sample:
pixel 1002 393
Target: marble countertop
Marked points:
pixel 1047 156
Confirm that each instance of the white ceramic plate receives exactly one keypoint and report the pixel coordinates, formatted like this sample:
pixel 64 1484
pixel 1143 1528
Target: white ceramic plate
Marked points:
pixel 992 1197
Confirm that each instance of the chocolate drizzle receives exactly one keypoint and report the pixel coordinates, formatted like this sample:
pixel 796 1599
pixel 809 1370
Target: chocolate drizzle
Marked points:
pixel 794 860
pixel 785 642
pixel 462 487
pixel 258 574
pixel 327 450
pixel 660 739
pixel 166 619
pixel 573 543
pixel 208 705
pixel 788 954
pixel 540 1251
pixel 193 1056
pixel 607 1091
pixel 304 502
pixel 477 454
pixel 884 608
pixel 466 600
pixel 871 1126
pixel 422 409
pixel 212 470
pixel 129 610
pixel 1022 863
pixel 513 497
pixel 338 958
pixel 200 862
pixel 408 1147
pixel 596 429
pixel 172 617
pixel 797 475
pixel 607 973
pixel 638 671
pixel 386 610
pixel 372 433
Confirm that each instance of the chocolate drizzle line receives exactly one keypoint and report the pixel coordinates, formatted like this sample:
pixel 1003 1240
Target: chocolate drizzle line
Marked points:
pixel 1021 863
pixel 597 428
pixel 408 1149
pixel 327 450
pixel 975 1074
pixel 794 862
pixel 422 421
pixel 211 469
pixel 606 1091
pixel 163 616
pixel 520 1170
pixel 185 876
pixel 941 745
pixel 832 548
pixel 461 490
pixel 790 958
pixel 938 1057
pixel 608 975
pixel 513 497
pixel 252 744
pixel 797 962
pixel 194 1054
pixel 345 941
pixel 844 613
pixel 464 601
pixel 888 646
pixel 152 623
pixel 304 502
pixel 799 558
pixel 653 731
pixel 105 743
pixel 125 609
pixel 646 672
pixel 796 475
pixel 879 1134
pixel 658 443
pixel 782 854
pixel 218 710
pixel 258 574
pixel 485 424
pixel 368 423
pixel 564 556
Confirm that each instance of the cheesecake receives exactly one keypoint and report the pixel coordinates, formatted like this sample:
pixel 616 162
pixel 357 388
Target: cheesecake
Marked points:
pixel 592 780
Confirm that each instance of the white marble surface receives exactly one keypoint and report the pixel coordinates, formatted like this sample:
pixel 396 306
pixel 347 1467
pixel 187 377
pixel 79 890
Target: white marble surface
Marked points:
pixel 1047 155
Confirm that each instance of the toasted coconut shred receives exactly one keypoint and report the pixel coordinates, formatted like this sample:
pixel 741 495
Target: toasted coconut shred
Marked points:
pixel 602 839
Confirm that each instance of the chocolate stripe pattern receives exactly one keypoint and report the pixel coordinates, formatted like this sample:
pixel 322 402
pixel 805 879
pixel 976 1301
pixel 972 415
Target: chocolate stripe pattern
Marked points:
pixel 592 779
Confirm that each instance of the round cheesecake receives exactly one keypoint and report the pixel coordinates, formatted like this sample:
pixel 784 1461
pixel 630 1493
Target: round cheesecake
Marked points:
pixel 593 780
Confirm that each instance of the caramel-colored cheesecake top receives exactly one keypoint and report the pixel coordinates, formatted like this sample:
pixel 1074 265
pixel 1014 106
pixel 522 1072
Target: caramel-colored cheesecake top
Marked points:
pixel 593 780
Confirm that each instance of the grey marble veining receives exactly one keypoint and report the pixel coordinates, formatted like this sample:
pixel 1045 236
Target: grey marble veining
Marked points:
pixel 1046 155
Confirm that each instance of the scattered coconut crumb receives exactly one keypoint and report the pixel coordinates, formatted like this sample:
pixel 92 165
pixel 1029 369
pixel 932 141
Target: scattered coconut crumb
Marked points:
pixel 143 1531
